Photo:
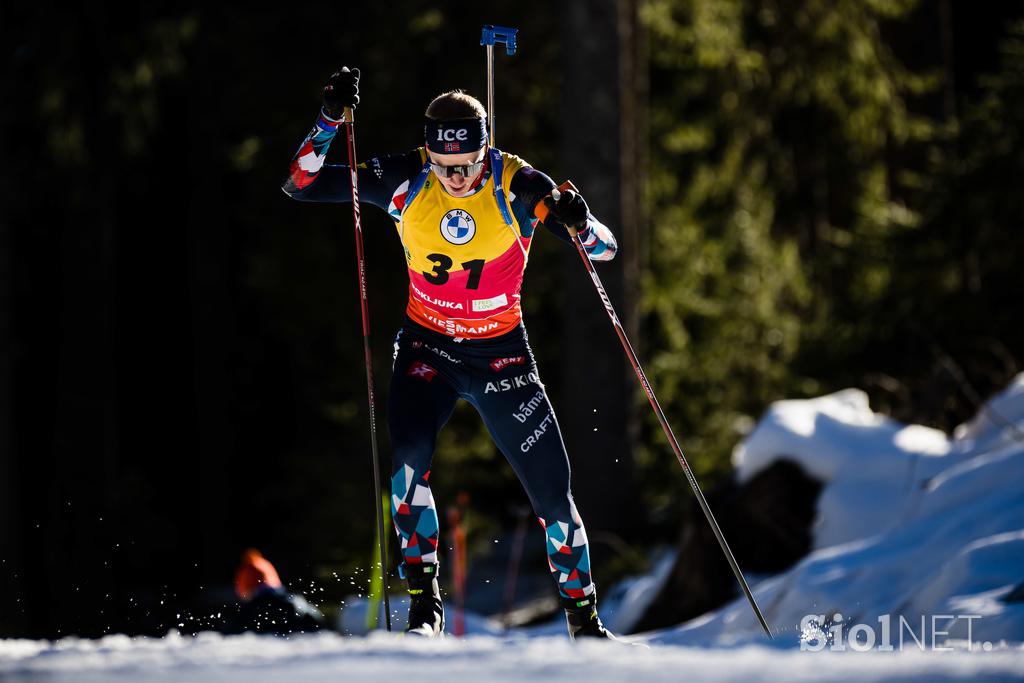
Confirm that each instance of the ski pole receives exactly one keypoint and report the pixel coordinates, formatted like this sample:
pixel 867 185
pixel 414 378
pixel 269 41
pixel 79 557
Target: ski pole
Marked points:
pixel 491 36
pixel 350 136
pixel 567 185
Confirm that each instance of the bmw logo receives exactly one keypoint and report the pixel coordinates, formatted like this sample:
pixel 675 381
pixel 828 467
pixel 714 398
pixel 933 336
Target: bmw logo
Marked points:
pixel 458 227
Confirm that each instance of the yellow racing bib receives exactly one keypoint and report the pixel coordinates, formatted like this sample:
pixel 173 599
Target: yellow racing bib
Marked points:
pixel 465 262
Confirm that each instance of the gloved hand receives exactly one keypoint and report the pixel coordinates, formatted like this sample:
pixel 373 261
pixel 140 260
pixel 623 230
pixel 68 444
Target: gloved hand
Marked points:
pixel 568 208
pixel 340 91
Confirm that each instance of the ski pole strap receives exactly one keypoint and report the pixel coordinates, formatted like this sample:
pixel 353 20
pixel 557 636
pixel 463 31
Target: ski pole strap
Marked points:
pixel 555 194
pixel 541 211
pixel 500 35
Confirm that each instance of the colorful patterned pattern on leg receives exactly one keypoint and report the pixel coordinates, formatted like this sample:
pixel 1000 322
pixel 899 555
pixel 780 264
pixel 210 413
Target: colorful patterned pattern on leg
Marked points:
pixel 414 515
pixel 569 555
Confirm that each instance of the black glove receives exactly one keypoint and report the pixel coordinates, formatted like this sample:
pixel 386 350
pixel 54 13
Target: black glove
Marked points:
pixel 570 210
pixel 340 91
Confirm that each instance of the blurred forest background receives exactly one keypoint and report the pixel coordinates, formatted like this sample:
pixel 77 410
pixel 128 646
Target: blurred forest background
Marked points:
pixel 808 194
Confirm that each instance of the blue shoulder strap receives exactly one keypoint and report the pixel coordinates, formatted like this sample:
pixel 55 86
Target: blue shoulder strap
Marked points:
pixel 416 186
pixel 499 189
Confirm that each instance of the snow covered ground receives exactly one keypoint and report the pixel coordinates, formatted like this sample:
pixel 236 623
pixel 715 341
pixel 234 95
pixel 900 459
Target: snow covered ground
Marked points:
pixel 211 658
pixel 917 575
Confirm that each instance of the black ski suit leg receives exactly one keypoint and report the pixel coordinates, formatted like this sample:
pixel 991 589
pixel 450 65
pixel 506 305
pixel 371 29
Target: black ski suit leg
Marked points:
pixel 421 400
pixel 519 416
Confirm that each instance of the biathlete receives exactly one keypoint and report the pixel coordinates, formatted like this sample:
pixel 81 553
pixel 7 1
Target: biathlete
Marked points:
pixel 466 214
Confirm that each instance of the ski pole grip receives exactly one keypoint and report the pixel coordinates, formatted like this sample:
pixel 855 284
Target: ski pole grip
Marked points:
pixel 556 194
pixel 500 35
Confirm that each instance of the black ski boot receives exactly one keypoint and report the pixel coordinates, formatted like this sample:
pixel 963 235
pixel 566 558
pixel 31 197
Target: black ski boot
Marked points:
pixel 426 613
pixel 582 619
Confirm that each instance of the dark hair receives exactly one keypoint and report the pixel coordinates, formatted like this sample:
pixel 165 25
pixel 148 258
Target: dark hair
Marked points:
pixel 455 104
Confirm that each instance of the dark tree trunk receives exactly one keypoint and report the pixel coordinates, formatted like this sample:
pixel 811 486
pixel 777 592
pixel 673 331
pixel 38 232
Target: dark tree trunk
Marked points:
pixel 633 101
pixel 948 61
pixel 595 409
pixel 11 569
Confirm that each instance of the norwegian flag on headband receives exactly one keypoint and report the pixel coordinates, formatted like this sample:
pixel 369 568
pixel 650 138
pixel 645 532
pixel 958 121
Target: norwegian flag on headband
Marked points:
pixel 456 136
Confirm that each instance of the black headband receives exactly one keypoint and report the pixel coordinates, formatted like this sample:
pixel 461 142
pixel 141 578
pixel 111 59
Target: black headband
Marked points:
pixel 455 136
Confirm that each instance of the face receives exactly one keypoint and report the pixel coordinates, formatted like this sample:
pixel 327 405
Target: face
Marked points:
pixel 456 184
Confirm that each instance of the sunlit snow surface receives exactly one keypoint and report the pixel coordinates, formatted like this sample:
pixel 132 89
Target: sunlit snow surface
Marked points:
pixel 211 658
pixel 910 523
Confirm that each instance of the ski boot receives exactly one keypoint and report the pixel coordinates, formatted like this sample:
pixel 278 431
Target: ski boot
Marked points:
pixel 426 613
pixel 582 619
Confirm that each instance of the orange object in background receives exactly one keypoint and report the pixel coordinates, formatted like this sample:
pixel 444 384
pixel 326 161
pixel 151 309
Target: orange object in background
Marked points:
pixel 254 572
pixel 456 516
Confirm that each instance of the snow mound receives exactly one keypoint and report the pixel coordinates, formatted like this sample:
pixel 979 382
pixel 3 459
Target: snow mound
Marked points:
pixel 913 527
pixel 859 455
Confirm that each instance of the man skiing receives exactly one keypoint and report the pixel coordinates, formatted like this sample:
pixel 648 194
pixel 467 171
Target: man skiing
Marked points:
pixel 466 214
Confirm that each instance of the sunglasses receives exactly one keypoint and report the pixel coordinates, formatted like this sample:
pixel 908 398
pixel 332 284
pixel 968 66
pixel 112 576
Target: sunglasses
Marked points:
pixel 466 170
